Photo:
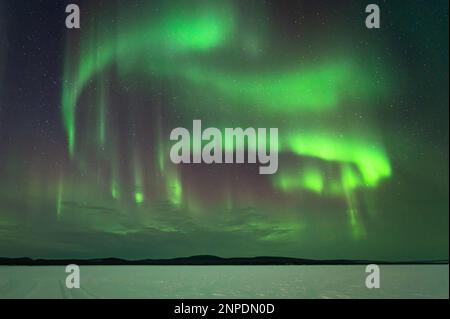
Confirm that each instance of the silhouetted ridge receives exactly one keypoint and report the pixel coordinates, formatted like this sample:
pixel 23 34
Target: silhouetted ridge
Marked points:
pixel 205 260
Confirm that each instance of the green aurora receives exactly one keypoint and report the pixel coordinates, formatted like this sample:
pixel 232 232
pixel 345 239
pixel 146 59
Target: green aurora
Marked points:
pixel 134 72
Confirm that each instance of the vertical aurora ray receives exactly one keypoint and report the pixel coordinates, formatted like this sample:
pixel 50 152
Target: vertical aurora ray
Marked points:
pixel 59 199
pixel 115 192
pixel 174 190
pixel 139 195
pixel 115 183
pixel 348 183
pixel 102 104
pixel 160 148
pixel 69 97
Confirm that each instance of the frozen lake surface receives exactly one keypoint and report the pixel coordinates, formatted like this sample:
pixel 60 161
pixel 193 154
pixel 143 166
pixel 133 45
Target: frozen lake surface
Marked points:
pixel 404 281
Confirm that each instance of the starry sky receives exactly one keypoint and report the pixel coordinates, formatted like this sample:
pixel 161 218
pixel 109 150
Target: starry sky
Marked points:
pixel 86 114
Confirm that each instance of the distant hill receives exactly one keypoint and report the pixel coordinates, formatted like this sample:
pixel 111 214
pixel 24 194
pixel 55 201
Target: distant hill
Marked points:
pixel 204 260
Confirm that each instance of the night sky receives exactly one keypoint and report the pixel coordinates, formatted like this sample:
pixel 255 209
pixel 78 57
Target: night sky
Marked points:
pixel 85 119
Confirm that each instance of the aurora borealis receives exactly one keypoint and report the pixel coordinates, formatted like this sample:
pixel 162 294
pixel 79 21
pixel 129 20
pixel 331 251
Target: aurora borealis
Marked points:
pixel 362 116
